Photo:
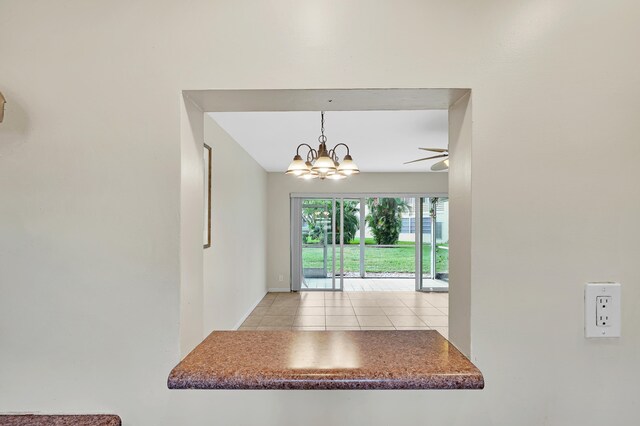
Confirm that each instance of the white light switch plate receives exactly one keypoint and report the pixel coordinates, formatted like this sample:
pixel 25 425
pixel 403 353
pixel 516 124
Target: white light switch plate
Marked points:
pixel 602 309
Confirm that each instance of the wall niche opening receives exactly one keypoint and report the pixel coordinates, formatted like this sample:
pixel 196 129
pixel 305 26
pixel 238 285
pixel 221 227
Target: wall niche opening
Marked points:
pixel 195 104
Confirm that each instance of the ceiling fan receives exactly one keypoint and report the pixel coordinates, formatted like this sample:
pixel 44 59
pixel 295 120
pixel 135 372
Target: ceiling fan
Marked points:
pixel 440 165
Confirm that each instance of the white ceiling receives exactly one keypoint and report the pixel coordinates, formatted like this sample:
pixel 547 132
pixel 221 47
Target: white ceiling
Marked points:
pixel 380 141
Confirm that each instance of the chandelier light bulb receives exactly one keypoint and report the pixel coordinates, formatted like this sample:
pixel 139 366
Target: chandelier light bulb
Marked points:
pixel 337 176
pixel 308 176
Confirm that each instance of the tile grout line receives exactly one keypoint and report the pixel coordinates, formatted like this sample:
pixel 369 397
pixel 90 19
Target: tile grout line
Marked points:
pixel 347 299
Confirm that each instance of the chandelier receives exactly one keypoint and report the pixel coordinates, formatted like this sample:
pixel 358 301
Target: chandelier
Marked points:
pixel 322 163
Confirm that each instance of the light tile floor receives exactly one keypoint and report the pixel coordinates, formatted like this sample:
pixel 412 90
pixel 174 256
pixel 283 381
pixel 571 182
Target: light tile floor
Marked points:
pixel 359 310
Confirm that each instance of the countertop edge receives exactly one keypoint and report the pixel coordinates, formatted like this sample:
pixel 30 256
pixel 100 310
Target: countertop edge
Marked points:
pixel 31 419
pixel 471 382
pixel 460 381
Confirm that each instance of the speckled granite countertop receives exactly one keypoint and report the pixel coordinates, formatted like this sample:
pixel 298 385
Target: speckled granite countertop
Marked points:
pixel 59 420
pixel 415 359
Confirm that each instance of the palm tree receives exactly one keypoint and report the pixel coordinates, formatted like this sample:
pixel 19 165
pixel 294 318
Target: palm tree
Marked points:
pixel 351 221
pixel 385 219
pixel 319 221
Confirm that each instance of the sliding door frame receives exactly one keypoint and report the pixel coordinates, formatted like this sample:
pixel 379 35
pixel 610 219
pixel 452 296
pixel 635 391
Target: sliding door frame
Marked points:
pixel 295 246
pixel 295 251
pixel 296 232
pixel 418 231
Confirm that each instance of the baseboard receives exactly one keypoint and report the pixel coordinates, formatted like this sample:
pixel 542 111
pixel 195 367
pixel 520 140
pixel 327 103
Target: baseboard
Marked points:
pixel 244 317
pixel 270 290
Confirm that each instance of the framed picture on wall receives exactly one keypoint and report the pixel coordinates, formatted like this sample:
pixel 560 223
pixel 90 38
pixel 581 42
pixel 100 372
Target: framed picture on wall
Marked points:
pixel 207 196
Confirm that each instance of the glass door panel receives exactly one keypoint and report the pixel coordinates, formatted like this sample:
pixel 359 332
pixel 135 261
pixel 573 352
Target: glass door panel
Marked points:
pixel 347 242
pixel 390 242
pixel 317 244
pixel 426 241
pixel 442 240
pixel 435 244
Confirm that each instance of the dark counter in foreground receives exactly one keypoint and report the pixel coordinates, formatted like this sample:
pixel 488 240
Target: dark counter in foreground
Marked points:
pixel 59 420
pixel 413 359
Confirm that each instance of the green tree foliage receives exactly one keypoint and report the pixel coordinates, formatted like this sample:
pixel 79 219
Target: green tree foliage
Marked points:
pixel 319 221
pixel 351 221
pixel 385 220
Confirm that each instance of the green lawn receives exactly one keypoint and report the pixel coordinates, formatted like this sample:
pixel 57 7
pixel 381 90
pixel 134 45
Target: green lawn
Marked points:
pixel 400 258
pixel 371 241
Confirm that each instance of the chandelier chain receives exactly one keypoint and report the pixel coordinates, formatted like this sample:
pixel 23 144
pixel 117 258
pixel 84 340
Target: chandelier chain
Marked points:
pixel 322 138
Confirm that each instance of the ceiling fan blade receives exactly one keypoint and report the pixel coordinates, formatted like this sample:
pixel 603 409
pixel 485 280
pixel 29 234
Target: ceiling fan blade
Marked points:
pixel 435 149
pixel 439 166
pixel 426 158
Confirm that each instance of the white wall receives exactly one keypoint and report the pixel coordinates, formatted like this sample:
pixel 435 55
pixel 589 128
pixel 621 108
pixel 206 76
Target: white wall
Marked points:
pixel 191 210
pixel 90 178
pixel 235 264
pixel 460 219
pixel 280 186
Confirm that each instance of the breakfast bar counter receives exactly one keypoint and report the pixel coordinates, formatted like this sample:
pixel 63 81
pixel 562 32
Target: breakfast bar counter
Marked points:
pixel 377 359
pixel 59 420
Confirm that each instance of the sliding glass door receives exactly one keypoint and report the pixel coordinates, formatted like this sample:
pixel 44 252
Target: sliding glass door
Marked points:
pixel 318 245
pixel 369 243
pixel 434 244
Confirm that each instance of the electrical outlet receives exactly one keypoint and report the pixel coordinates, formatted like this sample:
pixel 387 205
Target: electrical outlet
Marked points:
pixel 281 278
pixel 603 306
pixel 602 302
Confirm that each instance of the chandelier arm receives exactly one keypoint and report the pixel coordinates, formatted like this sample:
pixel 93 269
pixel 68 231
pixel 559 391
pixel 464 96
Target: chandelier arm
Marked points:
pixel 301 145
pixel 332 154
pixel 312 154
pixel 341 144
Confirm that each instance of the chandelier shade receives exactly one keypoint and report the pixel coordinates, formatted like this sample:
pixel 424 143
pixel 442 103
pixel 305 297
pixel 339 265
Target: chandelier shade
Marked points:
pixel 322 163
pixel 298 167
pixel 348 167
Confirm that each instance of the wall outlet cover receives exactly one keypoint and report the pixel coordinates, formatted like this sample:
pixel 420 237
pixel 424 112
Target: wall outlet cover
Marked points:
pixel 602 308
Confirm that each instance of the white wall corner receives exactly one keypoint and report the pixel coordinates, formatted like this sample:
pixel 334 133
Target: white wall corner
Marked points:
pixel 460 224
pixel 244 317
pixel 191 211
